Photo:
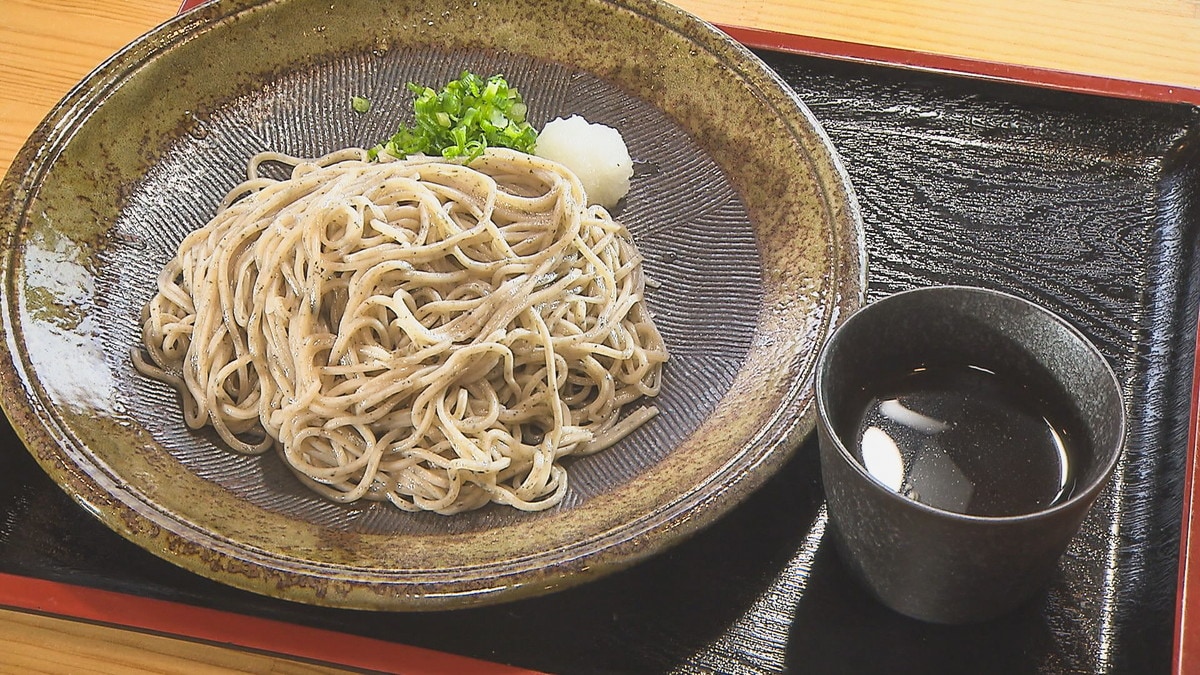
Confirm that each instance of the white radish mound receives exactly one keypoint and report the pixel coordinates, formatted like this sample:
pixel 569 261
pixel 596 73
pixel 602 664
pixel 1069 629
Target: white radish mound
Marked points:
pixel 594 152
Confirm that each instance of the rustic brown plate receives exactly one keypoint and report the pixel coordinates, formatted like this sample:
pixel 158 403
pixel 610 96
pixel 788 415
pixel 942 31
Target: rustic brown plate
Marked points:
pixel 740 205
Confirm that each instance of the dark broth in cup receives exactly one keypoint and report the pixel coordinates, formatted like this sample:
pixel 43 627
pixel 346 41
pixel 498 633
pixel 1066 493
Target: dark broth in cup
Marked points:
pixel 965 439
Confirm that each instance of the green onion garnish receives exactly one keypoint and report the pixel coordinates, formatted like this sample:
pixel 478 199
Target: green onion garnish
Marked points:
pixel 466 117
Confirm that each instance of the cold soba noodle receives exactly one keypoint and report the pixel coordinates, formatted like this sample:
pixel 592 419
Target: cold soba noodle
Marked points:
pixel 414 330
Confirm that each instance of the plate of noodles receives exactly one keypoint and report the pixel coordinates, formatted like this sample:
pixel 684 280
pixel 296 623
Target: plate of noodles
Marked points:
pixel 252 345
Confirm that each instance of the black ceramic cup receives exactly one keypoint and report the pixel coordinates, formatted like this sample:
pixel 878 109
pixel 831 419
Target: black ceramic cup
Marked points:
pixel 943 392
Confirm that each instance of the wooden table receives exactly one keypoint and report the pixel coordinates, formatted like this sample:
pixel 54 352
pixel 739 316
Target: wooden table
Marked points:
pixel 1144 48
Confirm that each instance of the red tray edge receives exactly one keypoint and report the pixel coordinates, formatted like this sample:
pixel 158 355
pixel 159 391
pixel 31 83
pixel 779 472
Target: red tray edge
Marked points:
pixel 1187 609
pixel 230 629
pixel 1033 76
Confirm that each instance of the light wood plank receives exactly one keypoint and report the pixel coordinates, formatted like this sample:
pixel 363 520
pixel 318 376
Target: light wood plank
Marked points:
pixel 47 46
pixel 1156 41
pixel 31 643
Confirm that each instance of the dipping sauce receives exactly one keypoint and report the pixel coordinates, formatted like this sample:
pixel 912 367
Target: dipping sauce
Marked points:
pixel 965 439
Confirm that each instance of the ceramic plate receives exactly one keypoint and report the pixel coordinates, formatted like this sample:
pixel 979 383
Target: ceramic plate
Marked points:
pixel 739 204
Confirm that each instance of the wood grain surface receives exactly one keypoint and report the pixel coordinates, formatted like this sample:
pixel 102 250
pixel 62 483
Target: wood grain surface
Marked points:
pixel 1140 40
pixel 30 643
pixel 47 46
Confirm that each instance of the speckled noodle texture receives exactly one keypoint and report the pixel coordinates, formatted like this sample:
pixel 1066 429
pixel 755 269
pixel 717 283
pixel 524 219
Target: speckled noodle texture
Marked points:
pixel 747 222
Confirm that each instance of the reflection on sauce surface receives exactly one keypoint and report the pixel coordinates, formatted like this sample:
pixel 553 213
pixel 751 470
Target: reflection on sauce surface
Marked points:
pixel 965 439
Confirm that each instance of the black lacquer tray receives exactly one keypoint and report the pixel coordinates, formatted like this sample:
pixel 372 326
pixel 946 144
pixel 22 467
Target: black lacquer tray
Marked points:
pixel 1085 204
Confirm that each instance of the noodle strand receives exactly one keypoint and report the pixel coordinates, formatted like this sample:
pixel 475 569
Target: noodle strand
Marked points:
pixel 420 332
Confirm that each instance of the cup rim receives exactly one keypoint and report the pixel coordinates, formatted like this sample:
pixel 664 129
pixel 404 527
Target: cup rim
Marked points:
pixel 1078 498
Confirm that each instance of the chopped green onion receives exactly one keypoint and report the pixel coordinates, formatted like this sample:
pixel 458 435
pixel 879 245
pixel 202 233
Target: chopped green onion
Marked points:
pixel 465 118
pixel 360 104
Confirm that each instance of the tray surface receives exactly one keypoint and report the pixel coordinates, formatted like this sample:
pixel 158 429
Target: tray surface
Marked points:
pixel 1084 204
